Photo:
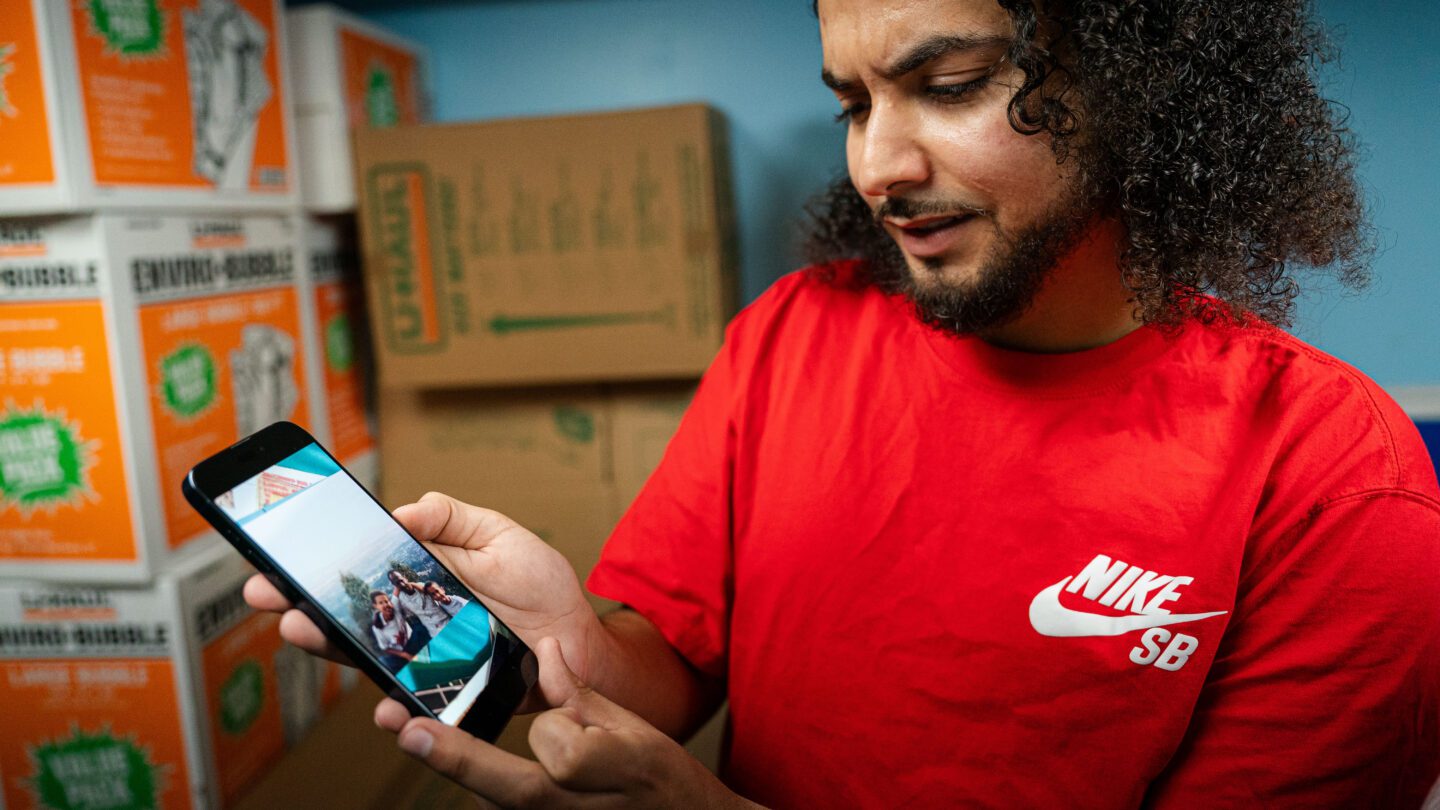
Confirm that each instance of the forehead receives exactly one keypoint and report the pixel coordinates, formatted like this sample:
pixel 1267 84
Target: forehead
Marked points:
pixel 865 35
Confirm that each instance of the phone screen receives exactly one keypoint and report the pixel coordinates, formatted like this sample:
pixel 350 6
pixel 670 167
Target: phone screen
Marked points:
pixel 365 571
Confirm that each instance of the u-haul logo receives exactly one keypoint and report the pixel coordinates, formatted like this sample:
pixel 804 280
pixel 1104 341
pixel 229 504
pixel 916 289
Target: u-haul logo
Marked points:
pixel 20 239
pixel 410 287
pixel 217 233
pixel 67 606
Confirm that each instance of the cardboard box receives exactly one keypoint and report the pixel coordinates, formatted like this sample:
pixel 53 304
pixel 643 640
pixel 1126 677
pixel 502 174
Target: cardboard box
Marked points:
pixel 564 463
pixel 542 251
pixel 642 421
pixel 343 381
pixel 133 348
pixel 346 73
pixel 344 761
pixel 146 104
pixel 170 696
pixel 538 457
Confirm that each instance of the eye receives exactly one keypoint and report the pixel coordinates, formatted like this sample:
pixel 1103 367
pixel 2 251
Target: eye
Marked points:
pixel 849 112
pixel 955 92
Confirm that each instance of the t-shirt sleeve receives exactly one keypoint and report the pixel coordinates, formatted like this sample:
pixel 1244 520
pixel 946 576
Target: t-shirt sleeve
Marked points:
pixel 669 558
pixel 1326 689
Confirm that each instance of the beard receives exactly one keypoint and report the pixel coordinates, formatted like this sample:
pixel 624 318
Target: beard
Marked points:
pixel 842 226
pixel 1004 286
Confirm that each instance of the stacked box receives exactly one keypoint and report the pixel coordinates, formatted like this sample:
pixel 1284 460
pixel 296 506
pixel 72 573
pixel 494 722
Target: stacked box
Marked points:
pixel 135 347
pixel 549 251
pixel 341 376
pixel 347 74
pixel 172 696
pixel 590 254
pixel 129 104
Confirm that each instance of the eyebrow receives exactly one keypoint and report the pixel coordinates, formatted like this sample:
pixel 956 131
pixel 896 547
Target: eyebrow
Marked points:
pixel 921 55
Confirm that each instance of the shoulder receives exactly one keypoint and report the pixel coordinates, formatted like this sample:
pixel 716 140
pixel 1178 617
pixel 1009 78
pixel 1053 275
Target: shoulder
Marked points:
pixel 1336 429
pixel 814 303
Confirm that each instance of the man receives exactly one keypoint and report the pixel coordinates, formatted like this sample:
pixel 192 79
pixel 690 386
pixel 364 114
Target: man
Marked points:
pixel 412 597
pixel 1027 505
pixel 391 631
pixel 446 604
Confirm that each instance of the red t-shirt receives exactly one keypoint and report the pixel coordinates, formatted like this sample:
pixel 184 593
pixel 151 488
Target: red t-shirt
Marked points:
pixel 1190 571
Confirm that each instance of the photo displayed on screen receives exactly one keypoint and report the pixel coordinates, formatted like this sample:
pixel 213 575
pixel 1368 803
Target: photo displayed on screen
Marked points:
pixel 372 578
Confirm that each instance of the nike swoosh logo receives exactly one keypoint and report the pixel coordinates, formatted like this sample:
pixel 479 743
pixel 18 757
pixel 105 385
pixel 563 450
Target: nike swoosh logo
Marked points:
pixel 1050 618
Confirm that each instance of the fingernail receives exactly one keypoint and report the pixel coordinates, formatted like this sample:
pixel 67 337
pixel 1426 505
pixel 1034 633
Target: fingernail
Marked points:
pixel 417 743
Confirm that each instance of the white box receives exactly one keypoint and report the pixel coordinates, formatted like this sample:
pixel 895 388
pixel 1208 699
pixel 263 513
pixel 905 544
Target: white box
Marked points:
pixel 134 347
pixel 177 695
pixel 347 73
pixel 144 104
pixel 341 374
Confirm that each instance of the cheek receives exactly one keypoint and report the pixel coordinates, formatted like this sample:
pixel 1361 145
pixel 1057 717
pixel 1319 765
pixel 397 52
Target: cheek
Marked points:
pixel 1012 174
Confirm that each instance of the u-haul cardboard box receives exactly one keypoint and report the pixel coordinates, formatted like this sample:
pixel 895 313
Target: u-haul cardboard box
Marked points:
pixel 564 463
pixel 171 696
pixel 346 73
pixel 125 104
pixel 561 250
pixel 342 375
pixel 133 348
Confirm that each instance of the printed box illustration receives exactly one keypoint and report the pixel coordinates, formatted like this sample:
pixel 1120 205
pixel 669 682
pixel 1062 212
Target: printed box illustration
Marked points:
pixel 133 348
pixel 125 104
pixel 543 251
pixel 174 696
pixel 345 73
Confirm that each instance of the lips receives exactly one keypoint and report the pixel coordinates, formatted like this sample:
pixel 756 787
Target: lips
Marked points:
pixel 931 236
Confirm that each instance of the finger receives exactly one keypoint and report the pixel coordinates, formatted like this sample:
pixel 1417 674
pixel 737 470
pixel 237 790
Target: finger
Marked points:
pixel 261 594
pixel 582 744
pixel 298 629
pixel 562 687
pixel 496 776
pixel 579 757
pixel 442 519
pixel 391 715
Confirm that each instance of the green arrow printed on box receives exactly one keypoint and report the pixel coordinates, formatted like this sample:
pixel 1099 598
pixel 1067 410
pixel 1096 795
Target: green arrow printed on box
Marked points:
pixel 503 324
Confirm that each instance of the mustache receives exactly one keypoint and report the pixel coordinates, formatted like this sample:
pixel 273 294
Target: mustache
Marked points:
pixel 906 208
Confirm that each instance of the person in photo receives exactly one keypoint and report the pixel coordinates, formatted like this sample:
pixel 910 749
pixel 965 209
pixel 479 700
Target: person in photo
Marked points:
pixel 412 597
pixel 390 628
pixel 447 604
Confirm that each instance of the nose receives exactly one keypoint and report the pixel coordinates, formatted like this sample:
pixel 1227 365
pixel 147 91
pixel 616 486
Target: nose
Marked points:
pixel 889 155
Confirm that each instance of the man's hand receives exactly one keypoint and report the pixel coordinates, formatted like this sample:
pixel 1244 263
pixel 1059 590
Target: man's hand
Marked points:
pixel 527 584
pixel 591 752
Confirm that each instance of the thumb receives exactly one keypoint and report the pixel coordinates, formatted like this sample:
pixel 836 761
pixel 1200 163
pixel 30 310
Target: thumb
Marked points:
pixel 495 775
pixel 561 687
pixel 439 518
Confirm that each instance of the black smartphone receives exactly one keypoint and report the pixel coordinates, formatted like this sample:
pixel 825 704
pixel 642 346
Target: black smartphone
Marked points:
pixel 404 619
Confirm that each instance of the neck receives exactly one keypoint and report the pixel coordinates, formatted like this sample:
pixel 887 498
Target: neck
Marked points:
pixel 1083 303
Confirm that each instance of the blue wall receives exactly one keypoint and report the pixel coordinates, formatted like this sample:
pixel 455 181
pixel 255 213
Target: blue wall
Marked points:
pixel 759 62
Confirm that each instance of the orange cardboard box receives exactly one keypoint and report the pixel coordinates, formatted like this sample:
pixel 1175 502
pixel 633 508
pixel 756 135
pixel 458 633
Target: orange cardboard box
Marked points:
pixel 133 348
pixel 343 372
pixel 126 104
pixel 346 73
pixel 171 696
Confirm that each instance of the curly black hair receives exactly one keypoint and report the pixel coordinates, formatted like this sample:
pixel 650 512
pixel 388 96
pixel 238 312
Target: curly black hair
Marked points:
pixel 1199 126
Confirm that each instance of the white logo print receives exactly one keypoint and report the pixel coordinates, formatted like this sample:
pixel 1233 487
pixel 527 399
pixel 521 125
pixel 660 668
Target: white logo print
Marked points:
pixel 1119 585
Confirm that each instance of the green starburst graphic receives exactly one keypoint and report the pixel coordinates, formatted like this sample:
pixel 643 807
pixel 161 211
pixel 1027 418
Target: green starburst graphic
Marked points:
pixel 188 380
pixel 382 107
pixel 575 424
pixel 129 27
pixel 241 697
pixel 339 344
pixel 94 772
pixel 6 68
pixel 43 460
